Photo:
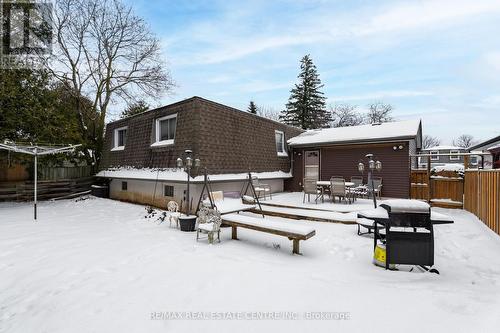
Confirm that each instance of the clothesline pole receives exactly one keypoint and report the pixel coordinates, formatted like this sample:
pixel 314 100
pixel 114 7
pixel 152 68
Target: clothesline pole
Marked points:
pixel 35 150
pixel 36 181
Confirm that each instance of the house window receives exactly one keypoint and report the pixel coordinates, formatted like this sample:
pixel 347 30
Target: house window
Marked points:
pixel 434 158
pixel 120 138
pixel 422 162
pixel 454 157
pixel 124 186
pixel 280 143
pixel 165 130
pixel 473 160
pixel 168 191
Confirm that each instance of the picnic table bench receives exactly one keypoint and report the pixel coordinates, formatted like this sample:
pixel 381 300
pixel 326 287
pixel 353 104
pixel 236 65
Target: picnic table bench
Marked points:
pixel 295 233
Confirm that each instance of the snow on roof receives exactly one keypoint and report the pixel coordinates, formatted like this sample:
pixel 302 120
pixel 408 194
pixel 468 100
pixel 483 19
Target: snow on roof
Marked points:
pixel 458 167
pixel 178 175
pixel 443 147
pixel 384 131
pixel 494 147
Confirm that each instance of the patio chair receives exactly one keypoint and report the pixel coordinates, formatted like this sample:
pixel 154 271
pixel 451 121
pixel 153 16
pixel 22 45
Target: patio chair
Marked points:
pixel 310 187
pixel 173 213
pixel 208 222
pixel 357 180
pixel 261 188
pixel 337 178
pixel 338 189
pixel 377 183
pixel 358 190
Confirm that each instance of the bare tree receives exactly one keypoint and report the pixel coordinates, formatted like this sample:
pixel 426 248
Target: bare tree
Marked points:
pixel 268 112
pixel 105 52
pixel 464 141
pixel 379 113
pixel 430 141
pixel 345 115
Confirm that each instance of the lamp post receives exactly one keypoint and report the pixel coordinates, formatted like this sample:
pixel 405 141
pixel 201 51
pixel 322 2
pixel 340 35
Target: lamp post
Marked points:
pixel 372 166
pixel 188 164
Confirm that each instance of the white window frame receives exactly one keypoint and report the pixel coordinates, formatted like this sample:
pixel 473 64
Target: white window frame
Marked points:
pixel 454 158
pixel 422 162
pixel 476 158
pixel 283 153
pixel 157 132
pixel 434 152
pixel 115 138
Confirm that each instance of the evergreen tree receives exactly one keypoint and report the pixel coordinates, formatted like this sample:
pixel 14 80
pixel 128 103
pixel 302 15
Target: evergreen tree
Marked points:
pixel 135 108
pixel 252 108
pixel 33 109
pixel 306 106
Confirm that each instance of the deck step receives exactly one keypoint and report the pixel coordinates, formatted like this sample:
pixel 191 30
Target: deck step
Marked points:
pixel 308 214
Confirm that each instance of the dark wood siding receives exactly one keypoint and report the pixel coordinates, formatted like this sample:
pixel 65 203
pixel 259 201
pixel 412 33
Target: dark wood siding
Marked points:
pixel 343 161
pixel 295 184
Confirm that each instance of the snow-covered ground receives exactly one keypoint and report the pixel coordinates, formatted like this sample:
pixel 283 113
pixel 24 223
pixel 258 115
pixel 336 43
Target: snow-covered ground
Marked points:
pixel 99 266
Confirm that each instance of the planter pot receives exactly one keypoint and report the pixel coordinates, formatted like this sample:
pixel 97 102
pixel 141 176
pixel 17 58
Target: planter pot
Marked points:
pixel 187 222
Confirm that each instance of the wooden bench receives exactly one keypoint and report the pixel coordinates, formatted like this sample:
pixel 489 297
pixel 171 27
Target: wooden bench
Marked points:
pixel 293 232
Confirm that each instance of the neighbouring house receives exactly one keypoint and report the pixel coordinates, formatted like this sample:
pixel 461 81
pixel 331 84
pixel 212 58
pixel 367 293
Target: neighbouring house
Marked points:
pixel 337 151
pixel 441 155
pixel 491 146
pixel 140 152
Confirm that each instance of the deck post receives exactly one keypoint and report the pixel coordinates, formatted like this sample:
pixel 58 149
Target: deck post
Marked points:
pixel 295 246
pixel 234 232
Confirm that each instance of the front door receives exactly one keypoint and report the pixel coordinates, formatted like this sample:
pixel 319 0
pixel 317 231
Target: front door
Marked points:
pixel 311 164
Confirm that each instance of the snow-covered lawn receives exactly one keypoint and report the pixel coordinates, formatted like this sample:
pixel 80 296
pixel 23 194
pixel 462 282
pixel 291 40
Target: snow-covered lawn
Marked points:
pixel 98 266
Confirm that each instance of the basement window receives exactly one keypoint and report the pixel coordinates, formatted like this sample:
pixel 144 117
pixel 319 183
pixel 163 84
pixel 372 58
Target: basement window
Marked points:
pixel 165 128
pixel 280 143
pixel 120 138
pixel 124 186
pixel 168 191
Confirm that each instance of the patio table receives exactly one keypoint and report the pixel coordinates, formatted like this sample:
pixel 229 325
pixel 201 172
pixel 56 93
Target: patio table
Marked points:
pixel 326 183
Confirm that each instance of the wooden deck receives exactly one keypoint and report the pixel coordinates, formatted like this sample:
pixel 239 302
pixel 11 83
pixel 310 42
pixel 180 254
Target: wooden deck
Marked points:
pixel 308 214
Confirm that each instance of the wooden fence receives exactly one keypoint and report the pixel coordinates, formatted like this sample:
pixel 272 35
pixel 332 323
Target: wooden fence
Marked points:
pixel 443 189
pixel 23 191
pixel 420 185
pixel 54 173
pixel 19 172
pixel 482 196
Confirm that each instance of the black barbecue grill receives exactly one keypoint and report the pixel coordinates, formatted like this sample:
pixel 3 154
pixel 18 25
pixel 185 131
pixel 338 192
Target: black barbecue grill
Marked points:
pixel 406 229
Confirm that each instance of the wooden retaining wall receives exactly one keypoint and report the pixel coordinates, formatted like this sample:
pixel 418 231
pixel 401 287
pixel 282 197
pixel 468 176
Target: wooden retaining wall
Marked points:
pixel 23 191
pixel 482 196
